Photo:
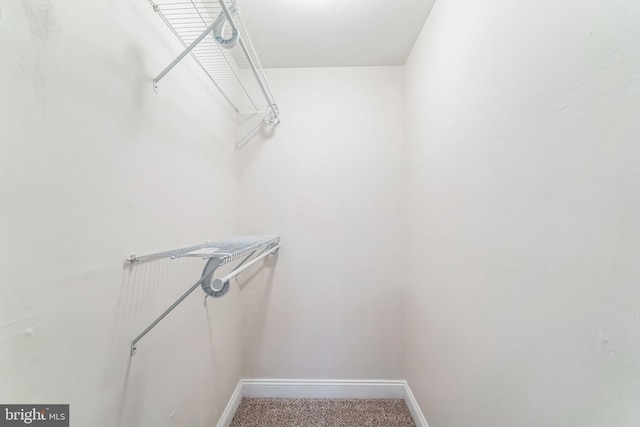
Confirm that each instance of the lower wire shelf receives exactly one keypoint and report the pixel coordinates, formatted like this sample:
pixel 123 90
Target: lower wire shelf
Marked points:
pixel 251 248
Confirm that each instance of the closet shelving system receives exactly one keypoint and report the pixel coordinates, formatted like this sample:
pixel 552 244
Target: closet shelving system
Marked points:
pixel 250 249
pixel 215 36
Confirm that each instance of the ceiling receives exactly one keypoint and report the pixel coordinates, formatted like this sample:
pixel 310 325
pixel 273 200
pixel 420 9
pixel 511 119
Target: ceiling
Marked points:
pixel 333 33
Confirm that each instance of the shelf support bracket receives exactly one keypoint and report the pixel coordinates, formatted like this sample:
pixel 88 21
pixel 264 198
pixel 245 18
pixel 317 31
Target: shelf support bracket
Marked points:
pixel 182 55
pixel 134 343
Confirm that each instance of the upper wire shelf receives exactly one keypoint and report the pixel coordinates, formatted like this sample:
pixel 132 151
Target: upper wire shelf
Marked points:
pixel 214 34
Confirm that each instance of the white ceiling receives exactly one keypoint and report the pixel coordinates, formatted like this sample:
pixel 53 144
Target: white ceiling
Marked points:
pixel 333 33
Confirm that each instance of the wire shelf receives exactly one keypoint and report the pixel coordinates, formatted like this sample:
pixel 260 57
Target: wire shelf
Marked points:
pixel 224 250
pixel 230 69
pixel 218 253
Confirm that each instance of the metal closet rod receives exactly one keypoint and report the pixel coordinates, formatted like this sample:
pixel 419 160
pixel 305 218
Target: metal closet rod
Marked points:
pixel 219 283
pixel 206 32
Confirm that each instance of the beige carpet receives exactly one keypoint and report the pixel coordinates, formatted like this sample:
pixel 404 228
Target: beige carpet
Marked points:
pixel 322 412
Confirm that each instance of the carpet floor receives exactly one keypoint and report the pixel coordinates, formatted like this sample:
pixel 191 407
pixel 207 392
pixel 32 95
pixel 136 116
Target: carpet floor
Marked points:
pixel 265 412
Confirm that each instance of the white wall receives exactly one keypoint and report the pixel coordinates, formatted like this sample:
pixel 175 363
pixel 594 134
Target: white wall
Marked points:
pixel 522 130
pixel 330 180
pixel 95 165
pixel 522 188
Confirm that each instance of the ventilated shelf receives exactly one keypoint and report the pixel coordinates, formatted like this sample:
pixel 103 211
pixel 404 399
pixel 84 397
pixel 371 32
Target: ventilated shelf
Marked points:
pixel 224 250
pixel 250 249
pixel 215 36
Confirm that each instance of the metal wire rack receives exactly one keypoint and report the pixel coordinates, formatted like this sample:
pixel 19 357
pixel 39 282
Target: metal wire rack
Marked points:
pixel 225 250
pixel 251 248
pixel 234 68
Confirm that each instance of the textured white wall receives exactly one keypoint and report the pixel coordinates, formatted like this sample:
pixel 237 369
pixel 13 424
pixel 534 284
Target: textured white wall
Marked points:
pixel 523 177
pixel 330 180
pixel 93 166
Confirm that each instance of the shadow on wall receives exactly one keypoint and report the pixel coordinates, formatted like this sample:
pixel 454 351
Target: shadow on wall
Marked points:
pixel 134 56
pixel 261 128
pixel 255 304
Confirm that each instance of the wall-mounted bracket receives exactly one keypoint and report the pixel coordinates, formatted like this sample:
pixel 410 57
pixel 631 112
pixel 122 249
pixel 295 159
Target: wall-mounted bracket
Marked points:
pixel 132 258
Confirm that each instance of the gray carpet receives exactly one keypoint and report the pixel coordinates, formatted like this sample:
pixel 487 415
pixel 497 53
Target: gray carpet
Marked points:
pixel 322 412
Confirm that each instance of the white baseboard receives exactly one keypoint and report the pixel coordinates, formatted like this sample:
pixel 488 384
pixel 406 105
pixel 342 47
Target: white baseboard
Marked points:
pixel 232 407
pixel 323 389
pixel 412 404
